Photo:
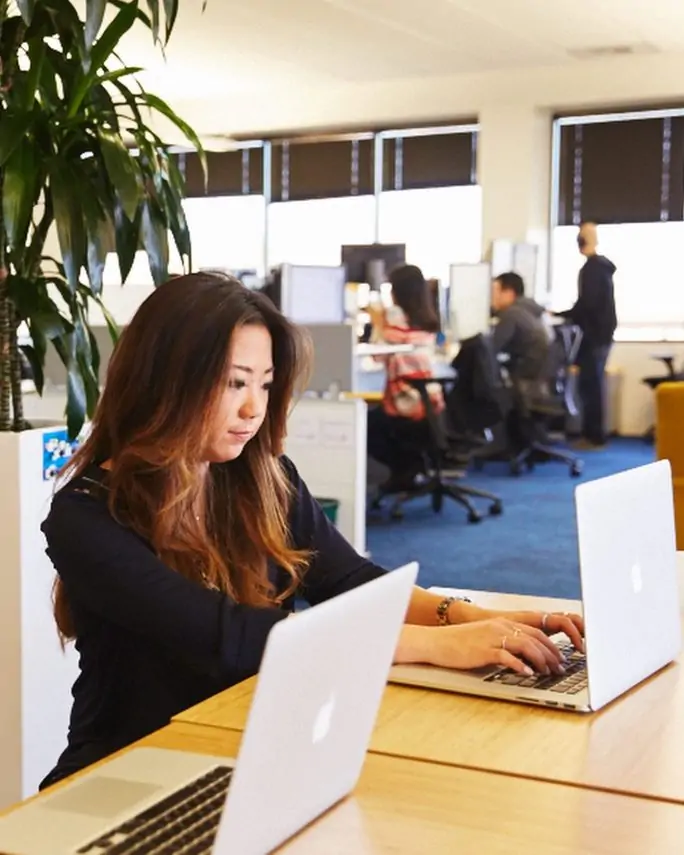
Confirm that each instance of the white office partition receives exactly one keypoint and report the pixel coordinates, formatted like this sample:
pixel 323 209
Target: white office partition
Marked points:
pixel 470 299
pixel 327 443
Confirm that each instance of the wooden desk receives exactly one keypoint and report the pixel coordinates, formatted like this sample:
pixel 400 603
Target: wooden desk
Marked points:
pixel 405 806
pixel 634 746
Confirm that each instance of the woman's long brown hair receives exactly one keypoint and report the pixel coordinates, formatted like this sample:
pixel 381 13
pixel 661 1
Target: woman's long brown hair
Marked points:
pixel 163 383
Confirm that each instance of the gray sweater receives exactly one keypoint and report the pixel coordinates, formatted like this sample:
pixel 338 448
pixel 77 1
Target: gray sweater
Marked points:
pixel 521 334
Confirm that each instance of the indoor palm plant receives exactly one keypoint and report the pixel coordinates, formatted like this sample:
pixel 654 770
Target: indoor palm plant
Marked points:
pixel 77 152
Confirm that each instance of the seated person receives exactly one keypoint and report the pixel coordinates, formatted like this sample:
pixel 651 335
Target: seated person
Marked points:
pixel 521 332
pixel 398 429
pixel 180 533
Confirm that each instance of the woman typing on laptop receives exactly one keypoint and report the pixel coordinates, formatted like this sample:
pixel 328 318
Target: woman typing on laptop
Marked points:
pixel 181 534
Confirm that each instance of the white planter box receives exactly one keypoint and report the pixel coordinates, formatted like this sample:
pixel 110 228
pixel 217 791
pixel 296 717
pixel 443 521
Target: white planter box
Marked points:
pixel 35 674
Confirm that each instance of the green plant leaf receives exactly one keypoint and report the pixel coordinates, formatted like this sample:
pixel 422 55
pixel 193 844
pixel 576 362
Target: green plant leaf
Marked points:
pixel 21 190
pixel 101 51
pixel 37 363
pixel 162 107
pixel 77 400
pixel 69 221
pixel 140 15
pixel 178 224
pixel 127 235
pixel 153 6
pixel 122 170
pixel 36 54
pixel 112 325
pixel 26 9
pixel 14 129
pixel 156 241
pixel 109 76
pixel 95 10
pixel 96 257
pixel 171 11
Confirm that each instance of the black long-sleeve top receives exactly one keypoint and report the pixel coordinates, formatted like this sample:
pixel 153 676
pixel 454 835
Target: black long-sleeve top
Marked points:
pixel 594 311
pixel 152 642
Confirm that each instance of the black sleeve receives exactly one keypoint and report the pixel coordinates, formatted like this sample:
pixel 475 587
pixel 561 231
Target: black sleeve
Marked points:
pixel 110 571
pixel 335 566
pixel 589 307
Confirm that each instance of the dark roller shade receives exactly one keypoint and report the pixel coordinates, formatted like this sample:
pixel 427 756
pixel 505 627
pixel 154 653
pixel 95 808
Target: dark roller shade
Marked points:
pixel 321 170
pixel 230 173
pixel 436 160
pixel 622 171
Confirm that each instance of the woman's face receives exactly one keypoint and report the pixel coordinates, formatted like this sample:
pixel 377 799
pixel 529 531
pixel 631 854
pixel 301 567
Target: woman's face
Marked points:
pixel 243 402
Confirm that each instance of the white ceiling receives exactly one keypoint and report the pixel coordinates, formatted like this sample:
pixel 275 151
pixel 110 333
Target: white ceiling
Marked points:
pixel 263 47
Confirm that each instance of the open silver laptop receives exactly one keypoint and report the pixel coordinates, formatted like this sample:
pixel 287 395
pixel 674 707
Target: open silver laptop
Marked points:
pixel 628 574
pixel 321 681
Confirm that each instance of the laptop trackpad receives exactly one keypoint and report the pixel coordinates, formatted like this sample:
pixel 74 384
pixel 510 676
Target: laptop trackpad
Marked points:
pixel 101 797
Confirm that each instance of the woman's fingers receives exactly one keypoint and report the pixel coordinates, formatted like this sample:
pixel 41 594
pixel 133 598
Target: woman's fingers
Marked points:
pixel 554 657
pixel 507 660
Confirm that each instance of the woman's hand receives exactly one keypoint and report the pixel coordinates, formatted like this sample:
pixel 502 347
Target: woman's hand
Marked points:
pixel 497 641
pixel 551 623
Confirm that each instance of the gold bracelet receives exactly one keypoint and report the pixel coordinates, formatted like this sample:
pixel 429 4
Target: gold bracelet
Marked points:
pixel 443 609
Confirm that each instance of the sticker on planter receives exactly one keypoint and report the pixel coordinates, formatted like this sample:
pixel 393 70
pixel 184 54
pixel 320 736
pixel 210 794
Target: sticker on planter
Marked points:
pixel 57 450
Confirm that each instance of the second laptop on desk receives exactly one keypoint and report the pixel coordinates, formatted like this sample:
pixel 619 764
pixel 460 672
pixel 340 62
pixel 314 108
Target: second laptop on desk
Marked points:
pixel 321 681
pixel 628 574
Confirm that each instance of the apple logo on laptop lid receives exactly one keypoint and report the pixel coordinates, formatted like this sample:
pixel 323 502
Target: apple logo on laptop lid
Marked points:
pixel 323 720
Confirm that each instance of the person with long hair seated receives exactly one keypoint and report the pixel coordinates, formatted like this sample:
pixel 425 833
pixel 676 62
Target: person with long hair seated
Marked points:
pixel 397 429
pixel 181 534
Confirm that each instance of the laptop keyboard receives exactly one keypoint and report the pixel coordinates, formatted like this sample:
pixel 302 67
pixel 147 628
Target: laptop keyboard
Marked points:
pixel 184 823
pixel 571 683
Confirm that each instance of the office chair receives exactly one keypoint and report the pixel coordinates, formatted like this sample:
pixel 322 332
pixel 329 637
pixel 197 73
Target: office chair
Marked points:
pixel 442 465
pixel 536 404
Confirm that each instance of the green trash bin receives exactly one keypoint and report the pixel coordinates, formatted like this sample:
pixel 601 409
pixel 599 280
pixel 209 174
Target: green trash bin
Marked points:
pixel 330 508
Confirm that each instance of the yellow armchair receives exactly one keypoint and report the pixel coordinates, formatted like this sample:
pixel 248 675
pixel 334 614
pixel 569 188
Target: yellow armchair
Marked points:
pixel 670 444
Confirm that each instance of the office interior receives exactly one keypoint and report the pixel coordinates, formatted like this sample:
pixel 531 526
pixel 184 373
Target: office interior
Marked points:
pixel 467 156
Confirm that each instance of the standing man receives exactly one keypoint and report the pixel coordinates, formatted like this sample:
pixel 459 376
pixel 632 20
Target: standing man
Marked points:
pixel 594 313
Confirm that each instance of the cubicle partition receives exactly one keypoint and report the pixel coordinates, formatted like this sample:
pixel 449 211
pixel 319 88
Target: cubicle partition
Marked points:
pixel 327 442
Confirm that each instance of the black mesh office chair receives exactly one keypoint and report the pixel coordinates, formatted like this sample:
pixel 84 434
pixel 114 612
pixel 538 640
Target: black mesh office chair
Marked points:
pixel 536 405
pixel 443 464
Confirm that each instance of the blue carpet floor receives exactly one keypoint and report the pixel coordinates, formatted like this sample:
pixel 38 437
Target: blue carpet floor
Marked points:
pixel 530 549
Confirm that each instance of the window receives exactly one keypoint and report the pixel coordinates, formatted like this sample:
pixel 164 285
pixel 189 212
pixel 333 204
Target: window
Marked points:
pixel 227 232
pixel 313 169
pixel 313 231
pixel 229 173
pixel 432 157
pixel 648 295
pixel 621 171
pixel 440 226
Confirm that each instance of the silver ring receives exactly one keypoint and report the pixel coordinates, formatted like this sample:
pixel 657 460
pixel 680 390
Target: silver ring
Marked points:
pixel 517 631
pixel 544 620
pixel 503 642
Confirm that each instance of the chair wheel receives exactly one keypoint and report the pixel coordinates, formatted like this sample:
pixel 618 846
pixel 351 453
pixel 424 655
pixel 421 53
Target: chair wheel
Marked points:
pixel 474 517
pixel 478 464
pixel 376 504
pixel 396 514
pixel 496 509
pixel 576 469
pixel 529 464
pixel 437 502
pixel 516 468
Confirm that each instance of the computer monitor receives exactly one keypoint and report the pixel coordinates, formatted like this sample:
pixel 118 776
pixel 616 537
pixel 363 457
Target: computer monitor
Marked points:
pixel 312 295
pixel 372 263
pixel 470 299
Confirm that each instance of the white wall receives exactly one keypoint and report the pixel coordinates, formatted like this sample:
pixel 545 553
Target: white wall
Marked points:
pixel 579 84
pixel 634 360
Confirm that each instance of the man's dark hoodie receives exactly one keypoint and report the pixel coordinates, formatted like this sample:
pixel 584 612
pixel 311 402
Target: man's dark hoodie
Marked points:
pixel 594 311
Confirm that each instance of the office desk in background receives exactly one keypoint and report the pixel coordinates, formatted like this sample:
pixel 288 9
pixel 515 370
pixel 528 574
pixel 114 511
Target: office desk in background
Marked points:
pixel 405 806
pixel 634 746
